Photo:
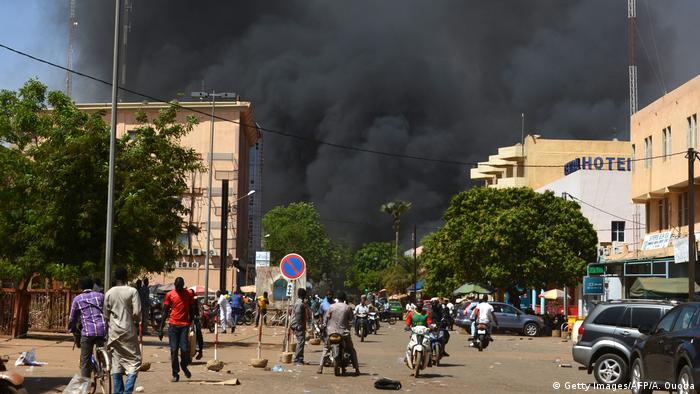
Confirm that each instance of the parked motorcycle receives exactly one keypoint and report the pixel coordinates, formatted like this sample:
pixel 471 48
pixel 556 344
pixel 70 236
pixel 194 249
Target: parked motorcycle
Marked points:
pixel 482 337
pixel 373 324
pixel 418 352
pixel 10 382
pixel 208 317
pixel 339 357
pixel 362 325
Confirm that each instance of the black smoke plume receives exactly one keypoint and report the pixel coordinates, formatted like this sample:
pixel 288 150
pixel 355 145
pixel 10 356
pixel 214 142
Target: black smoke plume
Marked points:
pixel 443 79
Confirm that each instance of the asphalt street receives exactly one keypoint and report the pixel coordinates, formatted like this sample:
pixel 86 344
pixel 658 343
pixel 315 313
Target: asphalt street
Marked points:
pixel 511 364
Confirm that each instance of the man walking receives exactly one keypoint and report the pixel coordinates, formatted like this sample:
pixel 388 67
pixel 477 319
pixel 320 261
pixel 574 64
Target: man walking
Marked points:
pixel 337 320
pixel 299 318
pixel 178 305
pixel 263 302
pixel 122 310
pixel 88 307
pixel 236 309
pixel 224 310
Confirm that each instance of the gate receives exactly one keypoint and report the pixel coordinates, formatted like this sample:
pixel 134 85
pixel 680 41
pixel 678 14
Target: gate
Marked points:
pixel 49 310
pixel 8 302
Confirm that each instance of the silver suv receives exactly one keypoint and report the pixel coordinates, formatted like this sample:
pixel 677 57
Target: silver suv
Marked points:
pixel 606 337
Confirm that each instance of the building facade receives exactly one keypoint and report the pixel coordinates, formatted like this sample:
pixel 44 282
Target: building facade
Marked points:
pixel 235 136
pixel 539 161
pixel 661 134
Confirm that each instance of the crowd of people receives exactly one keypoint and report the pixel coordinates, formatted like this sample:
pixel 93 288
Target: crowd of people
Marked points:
pixel 116 319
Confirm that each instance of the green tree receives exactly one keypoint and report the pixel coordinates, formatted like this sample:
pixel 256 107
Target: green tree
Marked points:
pixel 507 237
pixel 369 262
pixel 297 228
pixel 53 188
pixel 396 278
pixel 396 209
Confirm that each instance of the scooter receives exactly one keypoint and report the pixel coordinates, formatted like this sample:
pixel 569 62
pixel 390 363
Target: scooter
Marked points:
pixel 10 382
pixel 339 358
pixel 362 323
pixel 418 352
pixel 437 343
pixel 373 323
pixel 482 337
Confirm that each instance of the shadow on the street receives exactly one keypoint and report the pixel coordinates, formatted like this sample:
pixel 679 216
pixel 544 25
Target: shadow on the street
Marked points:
pixel 36 384
pixel 449 365
pixel 433 375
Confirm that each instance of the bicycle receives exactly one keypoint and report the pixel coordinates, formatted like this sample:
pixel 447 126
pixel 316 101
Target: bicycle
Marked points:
pixel 101 365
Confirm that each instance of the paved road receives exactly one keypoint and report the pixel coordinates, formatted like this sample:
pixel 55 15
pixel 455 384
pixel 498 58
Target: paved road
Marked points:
pixel 511 364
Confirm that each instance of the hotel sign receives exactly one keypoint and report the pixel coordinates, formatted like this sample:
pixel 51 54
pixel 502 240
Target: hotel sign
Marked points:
pixel 599 164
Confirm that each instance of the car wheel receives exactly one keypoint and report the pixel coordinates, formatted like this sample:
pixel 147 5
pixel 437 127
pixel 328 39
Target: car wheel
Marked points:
pixel 610 369
pixel 637 378
pixel 686 384
pixel 531 329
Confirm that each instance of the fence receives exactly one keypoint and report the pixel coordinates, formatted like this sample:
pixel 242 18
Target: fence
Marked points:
pixel 40 310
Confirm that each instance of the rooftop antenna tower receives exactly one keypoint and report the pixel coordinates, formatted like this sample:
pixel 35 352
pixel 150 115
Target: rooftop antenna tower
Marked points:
pixel 72 26
pixel 126 29
pixel 631 33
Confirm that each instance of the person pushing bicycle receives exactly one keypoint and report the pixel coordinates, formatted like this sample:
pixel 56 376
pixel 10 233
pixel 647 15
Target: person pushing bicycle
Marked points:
pixel 86 308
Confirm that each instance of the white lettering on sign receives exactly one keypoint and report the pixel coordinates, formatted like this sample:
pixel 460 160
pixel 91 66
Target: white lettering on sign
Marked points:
pixel 656 241
pixel 262 259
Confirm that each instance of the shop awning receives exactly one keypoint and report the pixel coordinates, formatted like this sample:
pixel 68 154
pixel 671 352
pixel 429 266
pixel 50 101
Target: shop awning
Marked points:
pixel 661 288
pixel 472 288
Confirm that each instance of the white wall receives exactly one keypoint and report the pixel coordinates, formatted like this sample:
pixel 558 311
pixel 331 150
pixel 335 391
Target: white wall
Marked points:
pixel 607 190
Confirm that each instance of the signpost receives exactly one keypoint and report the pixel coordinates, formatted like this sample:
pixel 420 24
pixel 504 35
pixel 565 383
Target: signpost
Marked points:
pixel 292 267
pixel 596 269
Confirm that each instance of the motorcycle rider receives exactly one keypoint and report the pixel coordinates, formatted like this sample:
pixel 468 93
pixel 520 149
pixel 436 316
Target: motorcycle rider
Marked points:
pixel 359 309
pixel 441 318
pixel 483 314
pixel 416 317
pixel 337 320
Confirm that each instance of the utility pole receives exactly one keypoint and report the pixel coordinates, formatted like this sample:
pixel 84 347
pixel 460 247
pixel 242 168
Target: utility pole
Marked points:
pixel 112 148
pixel 632 70
pixel 415 267
pixel 72 26
pixel 692 155
pixel 223 255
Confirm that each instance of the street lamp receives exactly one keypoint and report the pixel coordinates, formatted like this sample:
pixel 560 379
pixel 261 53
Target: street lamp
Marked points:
pixel 210 168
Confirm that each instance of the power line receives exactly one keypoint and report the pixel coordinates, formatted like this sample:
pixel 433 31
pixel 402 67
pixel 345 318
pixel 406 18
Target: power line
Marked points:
pixel 287 134
pixel 602 210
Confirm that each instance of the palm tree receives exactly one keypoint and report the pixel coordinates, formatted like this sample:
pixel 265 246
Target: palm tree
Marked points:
pixel 396 208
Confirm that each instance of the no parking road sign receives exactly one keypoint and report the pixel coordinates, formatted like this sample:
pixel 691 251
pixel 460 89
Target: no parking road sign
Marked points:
pixel 292 266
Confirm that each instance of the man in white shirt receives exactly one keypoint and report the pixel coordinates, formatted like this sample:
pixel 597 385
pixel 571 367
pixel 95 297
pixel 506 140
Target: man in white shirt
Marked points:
pixel 410 307
pixel 361 308
pixel 482 313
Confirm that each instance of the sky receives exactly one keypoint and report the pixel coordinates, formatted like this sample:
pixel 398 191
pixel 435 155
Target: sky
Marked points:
pixel 447 80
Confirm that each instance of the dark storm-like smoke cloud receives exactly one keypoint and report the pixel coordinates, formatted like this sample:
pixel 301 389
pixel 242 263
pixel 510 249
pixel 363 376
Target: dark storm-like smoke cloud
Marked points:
pixel 444 79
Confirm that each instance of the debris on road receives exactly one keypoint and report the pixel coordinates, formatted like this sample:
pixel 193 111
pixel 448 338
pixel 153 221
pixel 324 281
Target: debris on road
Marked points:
pixel 215 365
pixel 229 382
pixel 387 384
pixel 28 358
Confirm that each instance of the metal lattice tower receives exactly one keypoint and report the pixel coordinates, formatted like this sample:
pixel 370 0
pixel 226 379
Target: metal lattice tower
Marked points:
pixel 72 26
pixel 631 32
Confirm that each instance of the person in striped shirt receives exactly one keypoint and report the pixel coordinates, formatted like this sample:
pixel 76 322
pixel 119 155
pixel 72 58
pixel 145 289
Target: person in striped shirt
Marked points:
pixel 86 308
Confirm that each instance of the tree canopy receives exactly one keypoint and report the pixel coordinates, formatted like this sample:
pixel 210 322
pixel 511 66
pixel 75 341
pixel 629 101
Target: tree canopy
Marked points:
pixel 53 187
pixel 296 228
pixel 508 237
pixel 369 262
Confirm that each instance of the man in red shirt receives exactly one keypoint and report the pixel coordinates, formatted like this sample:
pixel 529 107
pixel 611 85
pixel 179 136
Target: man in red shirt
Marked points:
pixel 178 305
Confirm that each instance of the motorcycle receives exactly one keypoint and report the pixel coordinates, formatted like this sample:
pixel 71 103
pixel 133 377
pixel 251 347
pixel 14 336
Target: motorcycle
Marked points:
pixel 10 382
pixel 339 357
pixel 418 352
pixel 482 337
pixel 372 323
pixel 362 323
pixel 208 317
pixel 385 315
pixel 156 312
pixel 437 343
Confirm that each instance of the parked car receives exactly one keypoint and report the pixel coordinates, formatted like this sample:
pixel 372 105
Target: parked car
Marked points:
pixel 461 319
pixel 509 318
pixel 669 354
pixel 396 309
pixel 607 336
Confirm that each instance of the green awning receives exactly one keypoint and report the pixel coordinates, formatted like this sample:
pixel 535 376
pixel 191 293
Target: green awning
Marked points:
pixel 661 288
pixel 472 288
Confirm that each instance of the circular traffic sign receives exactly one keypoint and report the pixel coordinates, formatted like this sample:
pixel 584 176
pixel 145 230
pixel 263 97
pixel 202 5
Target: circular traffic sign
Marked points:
pixel 292 266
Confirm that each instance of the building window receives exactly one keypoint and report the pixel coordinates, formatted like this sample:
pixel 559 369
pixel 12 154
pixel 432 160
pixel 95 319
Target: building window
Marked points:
pixel 683 209
pixel 647 152
pixel 634 157
pixel 667 143
pixel 132 135
pixel 693 131
pixel 618 231
pixel 647 216
pixel 663 214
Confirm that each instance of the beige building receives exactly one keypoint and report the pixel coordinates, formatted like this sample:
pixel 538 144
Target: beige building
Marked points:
pixel 232 142
pixel 540 161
